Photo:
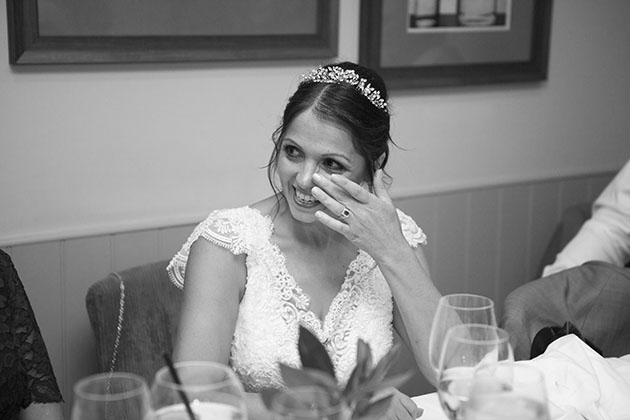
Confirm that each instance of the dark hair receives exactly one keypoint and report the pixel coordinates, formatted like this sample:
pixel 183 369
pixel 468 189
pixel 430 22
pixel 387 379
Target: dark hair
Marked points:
pixel 344 105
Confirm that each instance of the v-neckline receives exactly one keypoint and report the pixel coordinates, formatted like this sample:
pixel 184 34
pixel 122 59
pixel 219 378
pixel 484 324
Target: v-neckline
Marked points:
pixel 321 325
pixel 302 300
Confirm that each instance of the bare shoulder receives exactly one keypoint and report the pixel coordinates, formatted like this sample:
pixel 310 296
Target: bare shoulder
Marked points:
pixel 211 268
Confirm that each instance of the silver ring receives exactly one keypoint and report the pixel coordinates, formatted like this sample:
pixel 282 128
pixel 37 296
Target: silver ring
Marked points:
pixel 345 213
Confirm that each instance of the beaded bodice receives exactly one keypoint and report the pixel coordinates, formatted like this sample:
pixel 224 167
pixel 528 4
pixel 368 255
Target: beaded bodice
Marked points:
pixel 274 305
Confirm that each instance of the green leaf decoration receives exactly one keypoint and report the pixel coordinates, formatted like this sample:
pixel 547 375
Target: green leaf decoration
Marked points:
pixel 313 353
pixel 381 368
pixel 293 377
pixel 368 389
pixel 360 371
pixel 361 393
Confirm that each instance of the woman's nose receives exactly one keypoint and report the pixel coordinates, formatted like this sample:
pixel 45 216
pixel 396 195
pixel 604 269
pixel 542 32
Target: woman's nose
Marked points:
pixel 305 175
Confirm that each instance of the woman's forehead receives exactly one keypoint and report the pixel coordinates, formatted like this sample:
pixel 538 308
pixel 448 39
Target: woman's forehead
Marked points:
pixel 307 130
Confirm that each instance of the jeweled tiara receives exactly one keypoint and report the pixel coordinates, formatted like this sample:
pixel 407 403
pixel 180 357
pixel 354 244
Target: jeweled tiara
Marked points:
pixel 336 74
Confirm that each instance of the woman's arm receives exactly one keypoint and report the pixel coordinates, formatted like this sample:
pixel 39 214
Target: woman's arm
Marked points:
pixel 214 283
pixel 415 303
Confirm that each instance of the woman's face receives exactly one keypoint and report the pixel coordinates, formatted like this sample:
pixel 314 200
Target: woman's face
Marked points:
pixel 310 146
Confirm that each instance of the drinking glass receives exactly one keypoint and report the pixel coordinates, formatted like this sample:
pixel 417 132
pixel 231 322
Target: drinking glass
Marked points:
pixel 212 390
pixel 308 403
pixel 469 351
pixel 514 390
pixel 111 396
pixel 456 309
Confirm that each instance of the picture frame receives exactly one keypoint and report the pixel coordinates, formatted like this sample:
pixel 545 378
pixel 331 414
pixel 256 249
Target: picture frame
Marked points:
pixel 454 54
pixel 27 46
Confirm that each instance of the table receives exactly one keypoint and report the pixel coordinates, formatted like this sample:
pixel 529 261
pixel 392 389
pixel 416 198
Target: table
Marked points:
pixel 431 405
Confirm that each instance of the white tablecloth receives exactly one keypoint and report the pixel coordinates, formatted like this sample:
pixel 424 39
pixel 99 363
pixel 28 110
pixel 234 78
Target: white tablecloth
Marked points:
pixel 431 405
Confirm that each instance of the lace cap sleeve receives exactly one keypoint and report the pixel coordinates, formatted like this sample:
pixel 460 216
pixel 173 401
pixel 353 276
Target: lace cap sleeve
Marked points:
pixel 412 232
pixel 222 228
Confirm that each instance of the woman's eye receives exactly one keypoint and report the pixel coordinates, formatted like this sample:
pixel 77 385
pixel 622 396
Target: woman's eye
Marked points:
pixel 291 151
pixel 333 166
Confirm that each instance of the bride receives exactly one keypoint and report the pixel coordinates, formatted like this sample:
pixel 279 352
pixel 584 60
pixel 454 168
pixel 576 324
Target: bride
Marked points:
pixel 328 250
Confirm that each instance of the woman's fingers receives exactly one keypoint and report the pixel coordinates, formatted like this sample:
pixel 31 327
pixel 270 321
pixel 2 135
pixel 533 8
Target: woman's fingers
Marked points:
pixel 353 189
pixel 325 184
pixel 332 223
pixel 335 207
pixel 341 188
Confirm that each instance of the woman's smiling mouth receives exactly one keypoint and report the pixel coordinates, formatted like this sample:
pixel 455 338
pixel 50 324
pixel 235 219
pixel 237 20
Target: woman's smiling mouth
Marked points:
pixel 304 200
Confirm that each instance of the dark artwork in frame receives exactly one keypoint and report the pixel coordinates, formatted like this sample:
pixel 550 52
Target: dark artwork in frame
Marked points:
pixel 120 31
pixel 436 43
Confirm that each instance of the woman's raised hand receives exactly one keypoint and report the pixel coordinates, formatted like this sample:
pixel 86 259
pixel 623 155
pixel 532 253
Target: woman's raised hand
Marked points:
pixel 368 220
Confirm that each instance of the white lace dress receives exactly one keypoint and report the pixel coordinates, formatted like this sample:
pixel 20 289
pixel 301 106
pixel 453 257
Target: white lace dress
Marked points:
pixel 274 305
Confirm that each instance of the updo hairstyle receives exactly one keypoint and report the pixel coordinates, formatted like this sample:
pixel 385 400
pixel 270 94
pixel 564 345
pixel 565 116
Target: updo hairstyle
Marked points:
pixel 341 104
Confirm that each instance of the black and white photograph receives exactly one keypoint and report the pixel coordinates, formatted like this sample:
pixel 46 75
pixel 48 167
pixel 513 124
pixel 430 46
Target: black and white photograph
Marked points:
pixel 314 210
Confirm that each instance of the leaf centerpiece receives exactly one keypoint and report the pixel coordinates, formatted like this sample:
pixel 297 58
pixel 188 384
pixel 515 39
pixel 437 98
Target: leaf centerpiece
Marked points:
pixel 364 389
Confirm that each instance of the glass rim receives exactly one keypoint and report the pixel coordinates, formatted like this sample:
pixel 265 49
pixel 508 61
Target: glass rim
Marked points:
pixel 306 413
pixel 138 390
pixel 229 379
pixel 488 305
pixel 502 335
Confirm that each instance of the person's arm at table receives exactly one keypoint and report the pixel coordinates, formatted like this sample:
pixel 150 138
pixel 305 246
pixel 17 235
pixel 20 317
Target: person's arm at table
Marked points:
pixel 606 235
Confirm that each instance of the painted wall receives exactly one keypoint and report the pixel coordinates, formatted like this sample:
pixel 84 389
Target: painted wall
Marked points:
pixel 94 149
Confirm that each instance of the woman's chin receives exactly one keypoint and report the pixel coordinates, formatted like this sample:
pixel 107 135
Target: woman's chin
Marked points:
pixel 304 214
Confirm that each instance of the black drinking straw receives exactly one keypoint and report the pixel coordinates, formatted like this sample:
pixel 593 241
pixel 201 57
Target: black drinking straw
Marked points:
pixel 181 392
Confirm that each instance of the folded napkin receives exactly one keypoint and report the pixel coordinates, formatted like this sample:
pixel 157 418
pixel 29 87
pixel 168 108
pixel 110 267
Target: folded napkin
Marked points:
pixel 581 384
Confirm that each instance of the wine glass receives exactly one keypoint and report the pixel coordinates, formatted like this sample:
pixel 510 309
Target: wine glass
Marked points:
pixel 211 390
pixel 308 403
pixel 515 389
pixel 109 396
pixel 469 351
pixel 456 309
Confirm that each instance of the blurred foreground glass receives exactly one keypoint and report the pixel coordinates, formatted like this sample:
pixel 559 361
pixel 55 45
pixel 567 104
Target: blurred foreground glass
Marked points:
pixel 308 403
pixel 456 309
pixel 514 391
pixel 212 389
pixel 469 350
pixel 111 396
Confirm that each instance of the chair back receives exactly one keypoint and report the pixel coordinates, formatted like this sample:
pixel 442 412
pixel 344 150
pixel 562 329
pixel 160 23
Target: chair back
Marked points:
pixel 134 315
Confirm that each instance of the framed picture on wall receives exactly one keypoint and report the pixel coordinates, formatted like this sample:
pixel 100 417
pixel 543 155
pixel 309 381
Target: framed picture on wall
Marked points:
pixel 432 43
pixel 123 31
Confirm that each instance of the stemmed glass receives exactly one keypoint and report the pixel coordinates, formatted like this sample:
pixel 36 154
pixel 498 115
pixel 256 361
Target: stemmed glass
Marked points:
pixel 111 396
pixel 514 389
pixel 457 309
pixel 469 351
pixel 211 390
